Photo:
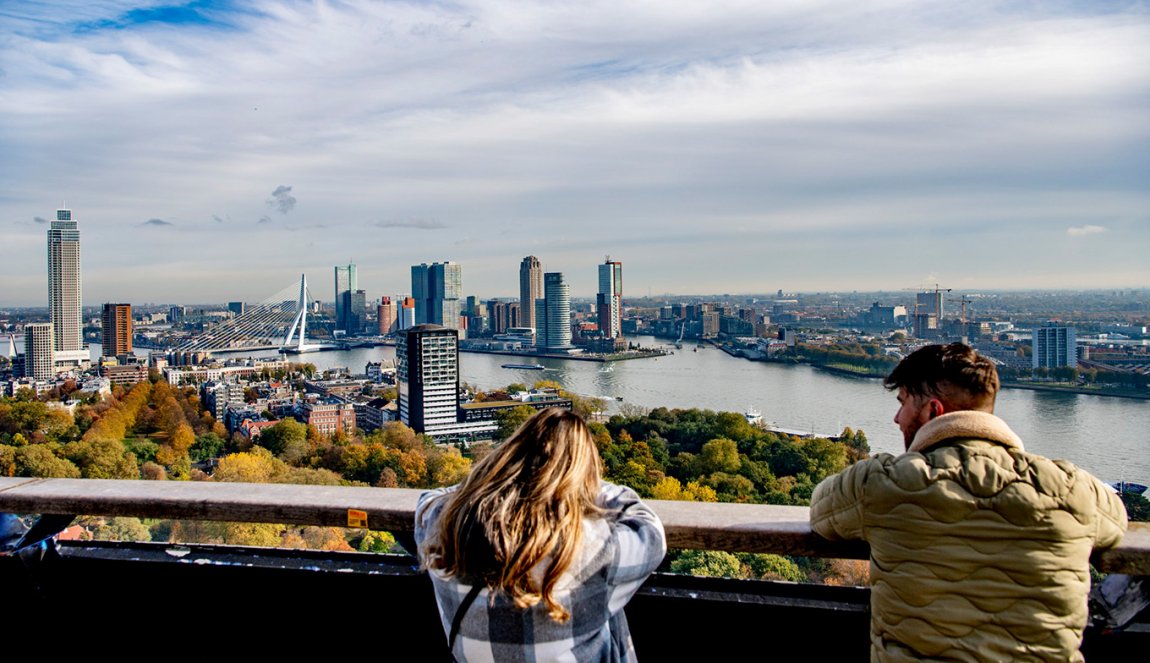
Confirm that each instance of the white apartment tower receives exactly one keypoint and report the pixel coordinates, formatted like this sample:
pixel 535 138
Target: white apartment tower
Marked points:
pixel 555 315
pixel 64 296
pixel 610 299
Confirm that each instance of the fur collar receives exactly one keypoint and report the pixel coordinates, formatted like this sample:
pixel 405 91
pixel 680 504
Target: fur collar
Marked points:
pixel 965 424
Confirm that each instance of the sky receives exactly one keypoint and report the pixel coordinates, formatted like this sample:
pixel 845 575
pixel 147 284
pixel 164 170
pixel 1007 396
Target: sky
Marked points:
pixel 214 151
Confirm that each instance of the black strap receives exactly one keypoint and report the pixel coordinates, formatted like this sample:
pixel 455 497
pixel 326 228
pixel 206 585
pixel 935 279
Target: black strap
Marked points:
pixel 462 610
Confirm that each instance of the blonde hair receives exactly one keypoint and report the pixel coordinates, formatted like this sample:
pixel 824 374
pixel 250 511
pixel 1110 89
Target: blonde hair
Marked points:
pixel 522 504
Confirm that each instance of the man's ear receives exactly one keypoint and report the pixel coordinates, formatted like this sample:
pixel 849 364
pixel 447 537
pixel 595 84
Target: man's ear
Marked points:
pixel 936 408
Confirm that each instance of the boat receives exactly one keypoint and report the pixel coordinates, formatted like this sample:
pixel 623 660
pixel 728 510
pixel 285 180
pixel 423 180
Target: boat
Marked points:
pixel 526 367
pixel 606 369
pixel 1130 487
pixel 754 417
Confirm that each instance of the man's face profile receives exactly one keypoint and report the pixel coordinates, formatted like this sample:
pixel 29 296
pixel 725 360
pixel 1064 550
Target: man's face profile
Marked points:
pixel 913 412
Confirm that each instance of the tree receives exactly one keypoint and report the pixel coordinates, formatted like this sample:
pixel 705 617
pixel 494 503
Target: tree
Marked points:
pixel 708 563
pixel 1137 506
pixel 511 419
pixel 377 542
pixel 719 455
pixel 286 438
pixel 38 460
pixel 256 466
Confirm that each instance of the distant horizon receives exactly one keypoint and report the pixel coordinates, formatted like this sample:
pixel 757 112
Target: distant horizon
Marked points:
pixel 216 150
pixel 763 296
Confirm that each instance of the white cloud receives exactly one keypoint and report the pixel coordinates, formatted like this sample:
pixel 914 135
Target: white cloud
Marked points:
pixel 616 124
pixel 1079 231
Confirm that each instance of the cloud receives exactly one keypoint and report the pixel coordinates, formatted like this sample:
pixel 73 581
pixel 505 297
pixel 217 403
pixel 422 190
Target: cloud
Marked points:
pixel 282 200
pixel 39 219
pixel 265 219
pixel 218 218
pixel 420 224
pixel 156 222
pixel 1079 231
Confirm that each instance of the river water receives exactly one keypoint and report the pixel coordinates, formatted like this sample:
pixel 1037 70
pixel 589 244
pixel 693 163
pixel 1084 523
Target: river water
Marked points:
pixel 1108 436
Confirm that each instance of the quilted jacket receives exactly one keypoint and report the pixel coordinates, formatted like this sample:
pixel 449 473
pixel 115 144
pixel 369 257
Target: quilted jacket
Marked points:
pixel 979 550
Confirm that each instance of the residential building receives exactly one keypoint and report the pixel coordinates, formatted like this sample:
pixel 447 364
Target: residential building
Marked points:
pixel 609 302
pixel 427 370
pixel 64 290
pixel 345 282
pixel 438 290
pixel 530 289
pixel 555 325
pixel 38 341
pixel 116 330
pixel 1054 347
pixel 329 415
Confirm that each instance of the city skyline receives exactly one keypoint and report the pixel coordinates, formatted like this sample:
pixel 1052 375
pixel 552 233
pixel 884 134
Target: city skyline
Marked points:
pixel 215 151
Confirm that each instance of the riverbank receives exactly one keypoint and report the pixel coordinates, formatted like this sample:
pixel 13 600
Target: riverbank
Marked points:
pixel 1086 391
pixel 618 356
pixel 857 372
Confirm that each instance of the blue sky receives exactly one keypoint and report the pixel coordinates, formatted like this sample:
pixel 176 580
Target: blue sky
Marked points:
pixel 213 151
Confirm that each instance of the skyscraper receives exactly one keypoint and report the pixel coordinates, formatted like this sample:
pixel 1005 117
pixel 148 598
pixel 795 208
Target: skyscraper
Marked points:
pixel 610 299
pixel 530 289
pixel 64 295
pixel 438 290
pixel 117 329
pixel 556 323
pixel 38 340
pixel 345 282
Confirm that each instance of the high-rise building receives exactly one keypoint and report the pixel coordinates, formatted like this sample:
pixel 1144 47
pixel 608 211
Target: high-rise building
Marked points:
pixel 237 308
pixel 386 315
pixel 530 289
pixel 38 342
pixel 116 329
pixel 64 294
pixel 427 373
pixel 438 290
pixel 609 302
pixel 345 282
pixel 354 311
pixel 930 303
pixel 1054 347
pixel 556 322
pixel 406 313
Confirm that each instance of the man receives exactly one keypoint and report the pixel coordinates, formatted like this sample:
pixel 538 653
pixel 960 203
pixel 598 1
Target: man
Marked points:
pixel 979 550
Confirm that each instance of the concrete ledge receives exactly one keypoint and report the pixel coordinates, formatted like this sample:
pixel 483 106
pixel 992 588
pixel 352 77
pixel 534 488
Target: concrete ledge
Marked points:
pixel 782 530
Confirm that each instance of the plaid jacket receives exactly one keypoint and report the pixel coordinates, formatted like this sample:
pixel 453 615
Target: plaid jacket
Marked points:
pixel 619 552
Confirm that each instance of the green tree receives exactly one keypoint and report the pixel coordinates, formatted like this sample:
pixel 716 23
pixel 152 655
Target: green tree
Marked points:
pixel 1137 507
pixel 377 542
pixel 708 563
pixel 288 437
pixel 511 419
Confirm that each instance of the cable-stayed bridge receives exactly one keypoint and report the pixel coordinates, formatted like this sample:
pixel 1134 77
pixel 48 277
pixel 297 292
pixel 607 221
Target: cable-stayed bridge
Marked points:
pixel 278 321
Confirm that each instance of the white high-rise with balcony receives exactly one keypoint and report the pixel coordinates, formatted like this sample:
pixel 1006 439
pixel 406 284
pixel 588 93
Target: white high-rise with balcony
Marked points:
pixel 64 293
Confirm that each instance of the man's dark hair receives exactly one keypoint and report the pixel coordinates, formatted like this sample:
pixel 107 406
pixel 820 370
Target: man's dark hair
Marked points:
pixel 954 373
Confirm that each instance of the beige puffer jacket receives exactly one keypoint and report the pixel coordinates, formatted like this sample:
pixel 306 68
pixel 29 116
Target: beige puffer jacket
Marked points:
pixel 979 550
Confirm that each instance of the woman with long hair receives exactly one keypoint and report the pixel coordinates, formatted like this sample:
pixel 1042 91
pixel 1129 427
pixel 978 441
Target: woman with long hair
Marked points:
pixel 533 556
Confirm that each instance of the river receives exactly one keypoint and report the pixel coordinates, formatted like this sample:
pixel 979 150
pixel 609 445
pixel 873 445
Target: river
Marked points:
pixel 1108 436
